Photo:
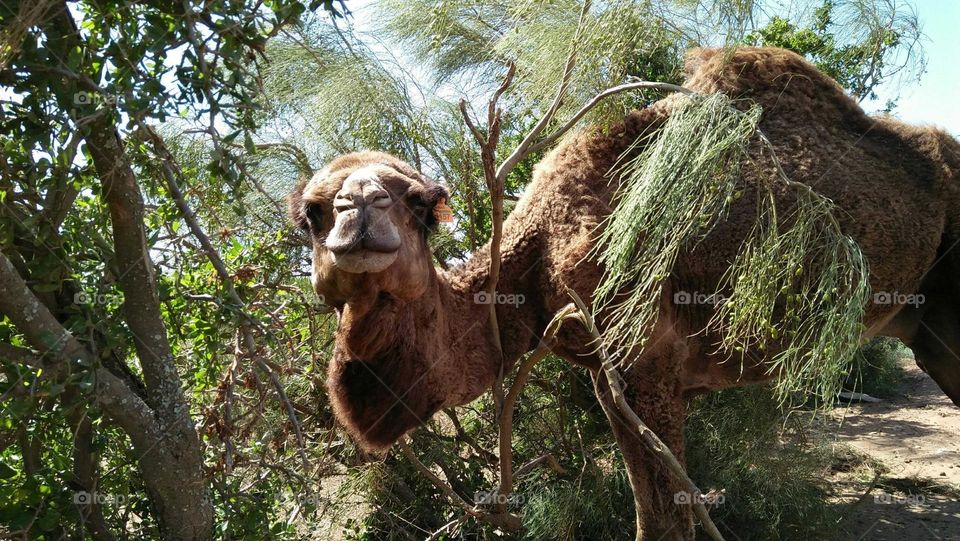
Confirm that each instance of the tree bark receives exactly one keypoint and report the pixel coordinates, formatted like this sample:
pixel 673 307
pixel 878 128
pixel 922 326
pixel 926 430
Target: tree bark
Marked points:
pixel 175 481
pixel 170 463
pixel 163 434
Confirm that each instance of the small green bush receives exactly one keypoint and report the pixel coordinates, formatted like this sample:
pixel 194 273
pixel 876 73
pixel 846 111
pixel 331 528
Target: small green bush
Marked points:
pixel 597 504
pixel 876 368
pixel 772 477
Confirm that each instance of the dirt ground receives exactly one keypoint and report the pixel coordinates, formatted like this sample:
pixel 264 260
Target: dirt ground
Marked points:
pixel 913 493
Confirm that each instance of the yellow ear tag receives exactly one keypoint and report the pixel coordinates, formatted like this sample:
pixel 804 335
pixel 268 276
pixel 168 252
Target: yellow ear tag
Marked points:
pixel 442 212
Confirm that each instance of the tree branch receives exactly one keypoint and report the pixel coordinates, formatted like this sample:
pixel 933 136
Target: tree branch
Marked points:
pixel 507 521
pixel 86 469
pixel 637 85
pixel 647 436
pixel 46 335
pixel 171 175
pixel 477 134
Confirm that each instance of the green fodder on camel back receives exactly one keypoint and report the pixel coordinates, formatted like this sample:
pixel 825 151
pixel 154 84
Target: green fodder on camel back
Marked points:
pixel 672 194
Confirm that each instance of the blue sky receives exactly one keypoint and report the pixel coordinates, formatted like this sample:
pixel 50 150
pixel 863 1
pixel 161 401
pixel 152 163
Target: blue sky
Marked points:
pixel 934 100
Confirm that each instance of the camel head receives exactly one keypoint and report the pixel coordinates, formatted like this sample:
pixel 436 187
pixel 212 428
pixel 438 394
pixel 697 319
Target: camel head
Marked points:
pixel 368 215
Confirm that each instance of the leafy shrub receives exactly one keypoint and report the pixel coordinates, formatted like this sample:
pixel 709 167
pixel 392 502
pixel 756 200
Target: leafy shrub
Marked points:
pixel 771 472
pixel 876 368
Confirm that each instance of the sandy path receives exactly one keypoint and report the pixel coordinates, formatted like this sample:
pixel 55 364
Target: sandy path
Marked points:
pixel 916 437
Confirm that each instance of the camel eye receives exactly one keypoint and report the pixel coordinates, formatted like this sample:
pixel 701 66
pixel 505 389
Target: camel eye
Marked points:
pixel 314 213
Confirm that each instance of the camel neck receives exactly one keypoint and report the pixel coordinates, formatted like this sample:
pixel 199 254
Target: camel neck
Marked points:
pixel 518 305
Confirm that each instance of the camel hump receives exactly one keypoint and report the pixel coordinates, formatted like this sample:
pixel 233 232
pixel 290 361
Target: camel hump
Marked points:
pixel 694 59
pixel 776 79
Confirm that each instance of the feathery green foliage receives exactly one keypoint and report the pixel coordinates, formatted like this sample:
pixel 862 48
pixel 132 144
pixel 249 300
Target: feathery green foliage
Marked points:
pixel 464 42
pixel 673 194
pixel 802 287
pixel 591 506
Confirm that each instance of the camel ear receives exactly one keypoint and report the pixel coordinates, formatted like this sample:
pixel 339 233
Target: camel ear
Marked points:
pixel 295 207
pixel 433 202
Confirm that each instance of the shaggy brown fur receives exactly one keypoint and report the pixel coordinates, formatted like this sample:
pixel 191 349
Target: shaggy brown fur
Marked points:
pixel 412 340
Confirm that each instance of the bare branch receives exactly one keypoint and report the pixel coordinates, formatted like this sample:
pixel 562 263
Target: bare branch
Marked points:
pixel 281 395
pixel 477 134
pixel 493 112
pixel 637 85
pixel 523 149
pixel 446 528
pixel 170 175
pixel 504 520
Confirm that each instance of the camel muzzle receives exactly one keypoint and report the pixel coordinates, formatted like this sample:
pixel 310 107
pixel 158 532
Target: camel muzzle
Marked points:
pixel 363 238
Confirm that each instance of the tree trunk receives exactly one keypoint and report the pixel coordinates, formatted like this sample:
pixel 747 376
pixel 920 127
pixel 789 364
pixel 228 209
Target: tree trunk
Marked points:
pixel 160 426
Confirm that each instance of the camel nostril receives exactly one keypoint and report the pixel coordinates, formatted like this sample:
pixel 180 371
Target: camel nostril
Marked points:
pixel 344 202
pixel 380 199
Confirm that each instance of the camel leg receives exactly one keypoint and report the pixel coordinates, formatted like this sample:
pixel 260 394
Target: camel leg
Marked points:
pixel 936 346
pixel 655 491
pixel 932 328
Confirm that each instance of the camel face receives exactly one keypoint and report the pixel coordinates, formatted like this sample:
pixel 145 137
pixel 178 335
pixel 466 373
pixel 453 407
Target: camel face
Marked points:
pixel 364 237
pixel 368 216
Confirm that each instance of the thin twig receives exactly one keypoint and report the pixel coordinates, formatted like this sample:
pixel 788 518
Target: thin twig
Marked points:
pixel 504 520
pixel 446 528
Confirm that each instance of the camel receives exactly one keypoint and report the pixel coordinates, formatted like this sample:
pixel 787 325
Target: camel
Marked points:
pixel 413 339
